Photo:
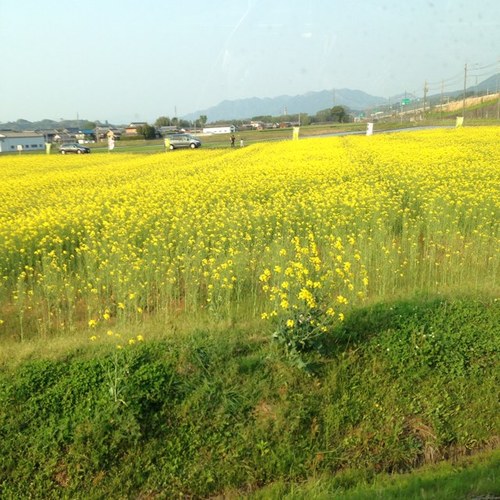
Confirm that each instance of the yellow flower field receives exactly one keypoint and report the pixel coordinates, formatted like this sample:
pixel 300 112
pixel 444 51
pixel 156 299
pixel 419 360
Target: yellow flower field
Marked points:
pixel 271 230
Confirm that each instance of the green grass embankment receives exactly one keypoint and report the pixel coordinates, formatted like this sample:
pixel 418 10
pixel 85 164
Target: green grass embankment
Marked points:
pixel 212 412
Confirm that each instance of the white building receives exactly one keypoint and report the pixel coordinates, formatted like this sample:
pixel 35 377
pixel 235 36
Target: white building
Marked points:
pixel 223 129
pixel 11 142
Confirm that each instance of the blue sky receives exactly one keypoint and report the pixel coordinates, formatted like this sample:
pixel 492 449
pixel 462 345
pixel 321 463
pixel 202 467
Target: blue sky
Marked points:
pixel 134 60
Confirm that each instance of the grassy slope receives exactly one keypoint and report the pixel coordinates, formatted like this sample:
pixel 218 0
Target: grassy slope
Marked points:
pixel 475 477
pixel 403 385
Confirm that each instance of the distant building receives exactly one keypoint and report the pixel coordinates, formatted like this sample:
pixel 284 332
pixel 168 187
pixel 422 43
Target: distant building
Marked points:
pixel 104 133
pixel 21 141
pixel 245 126
pixel 257 125
pixel 85 135
pixel 49 133
pixel 168 129
pixel 133 128
pixel 222 129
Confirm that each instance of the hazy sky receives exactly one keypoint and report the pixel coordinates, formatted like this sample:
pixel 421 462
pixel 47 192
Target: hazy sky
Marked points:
pixel 136 60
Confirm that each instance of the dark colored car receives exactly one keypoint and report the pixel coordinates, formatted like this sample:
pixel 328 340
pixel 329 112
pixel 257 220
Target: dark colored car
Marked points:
pixel 73 147
pixel 174 141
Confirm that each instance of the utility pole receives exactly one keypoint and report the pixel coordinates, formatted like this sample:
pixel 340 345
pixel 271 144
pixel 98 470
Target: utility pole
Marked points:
pixel 441 101
pixel 498 95
pixel 401 107
pixel 465 91
pixel 425 94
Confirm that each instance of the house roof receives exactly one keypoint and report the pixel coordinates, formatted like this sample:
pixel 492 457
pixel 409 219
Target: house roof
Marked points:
pixel 46 131
pixel 20 135
pixel 137 124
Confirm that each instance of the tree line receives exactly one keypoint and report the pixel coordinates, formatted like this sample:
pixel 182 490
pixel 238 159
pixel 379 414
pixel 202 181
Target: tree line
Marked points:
pixel 336 114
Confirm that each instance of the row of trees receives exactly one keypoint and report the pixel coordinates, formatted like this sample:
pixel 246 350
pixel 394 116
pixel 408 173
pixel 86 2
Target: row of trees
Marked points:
pixel 151 132
pixel 337 114
pixel 165 121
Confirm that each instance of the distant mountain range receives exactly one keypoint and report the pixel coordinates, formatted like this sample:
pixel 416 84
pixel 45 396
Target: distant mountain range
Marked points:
pixel 312 102
pixel 491 85
pixel 21 125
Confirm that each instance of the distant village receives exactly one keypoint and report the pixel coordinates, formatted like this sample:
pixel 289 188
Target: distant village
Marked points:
pixel 11 140
pixel 18 136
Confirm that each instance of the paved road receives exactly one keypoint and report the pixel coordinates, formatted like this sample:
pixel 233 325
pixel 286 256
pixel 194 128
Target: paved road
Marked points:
pixel 375 131
pixel 160 147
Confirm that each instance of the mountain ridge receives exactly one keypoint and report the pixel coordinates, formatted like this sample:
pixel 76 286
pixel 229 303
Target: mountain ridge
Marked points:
pixel 311 102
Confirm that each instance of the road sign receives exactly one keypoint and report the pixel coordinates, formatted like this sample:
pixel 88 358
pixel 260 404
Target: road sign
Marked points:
pixel 405 102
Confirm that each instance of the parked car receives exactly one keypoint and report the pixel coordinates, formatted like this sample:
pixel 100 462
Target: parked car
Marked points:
pixel 73 147
pixel 174 141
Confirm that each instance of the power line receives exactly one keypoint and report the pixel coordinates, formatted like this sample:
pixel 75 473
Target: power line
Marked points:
pixel 482 74
pixel 457 77
pixel 487 66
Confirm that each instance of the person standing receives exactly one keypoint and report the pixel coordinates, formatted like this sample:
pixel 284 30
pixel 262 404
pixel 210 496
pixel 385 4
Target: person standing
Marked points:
pixel 232 140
